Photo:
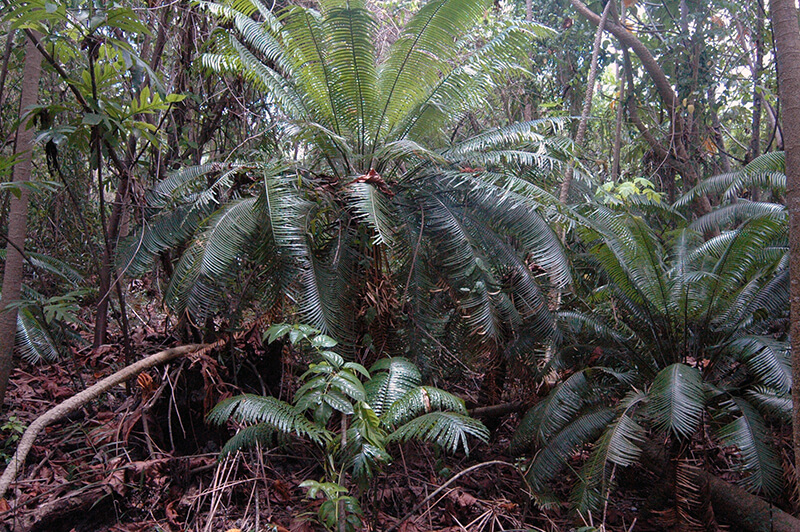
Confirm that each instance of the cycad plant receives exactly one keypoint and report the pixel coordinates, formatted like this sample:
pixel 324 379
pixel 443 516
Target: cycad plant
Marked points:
pixel 368 213
pixel 682 338
pixel 43 324
pixel 351 423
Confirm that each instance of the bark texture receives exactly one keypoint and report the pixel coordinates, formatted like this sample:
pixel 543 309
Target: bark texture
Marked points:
pixel 18 219
pixel 787 42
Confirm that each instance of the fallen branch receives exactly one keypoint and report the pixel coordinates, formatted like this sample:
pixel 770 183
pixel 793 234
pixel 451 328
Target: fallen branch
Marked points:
pixel 735 506
pixel 441 488
pixel 77 401
pixel 499 410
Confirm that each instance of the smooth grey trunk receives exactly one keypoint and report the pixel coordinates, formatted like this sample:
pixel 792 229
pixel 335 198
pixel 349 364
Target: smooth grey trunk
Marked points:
pixel 787 43
pixel 18 218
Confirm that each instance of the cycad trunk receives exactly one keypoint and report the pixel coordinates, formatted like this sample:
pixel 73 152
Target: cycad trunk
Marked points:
pixel 787 42
pixel 17 219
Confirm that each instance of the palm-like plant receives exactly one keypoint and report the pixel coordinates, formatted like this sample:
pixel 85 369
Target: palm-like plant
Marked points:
pixel 679 340
pixel 392 406
pixel 372 219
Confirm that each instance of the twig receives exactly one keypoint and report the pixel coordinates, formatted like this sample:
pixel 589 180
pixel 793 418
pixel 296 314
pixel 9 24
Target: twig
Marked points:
pixel 444 486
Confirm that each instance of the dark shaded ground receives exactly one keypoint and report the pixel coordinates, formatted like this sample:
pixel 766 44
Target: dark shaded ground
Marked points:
pixel 145 460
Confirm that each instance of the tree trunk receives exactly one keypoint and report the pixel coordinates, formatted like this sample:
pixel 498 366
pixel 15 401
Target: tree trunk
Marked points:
pixel 587 99
pixel 787 42
pixel 18 219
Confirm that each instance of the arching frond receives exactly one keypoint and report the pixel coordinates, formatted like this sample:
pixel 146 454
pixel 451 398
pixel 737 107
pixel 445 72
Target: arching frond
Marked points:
pixel 391 379
pixel 759 460
pixel 677 400
pixel 768 359
pixel 418 401
pixel 766 171
pixel 581 429
pixel 270 412
pixel 450 430
pixel 33 340
pixel 554 412
pixel 260 433
pixel 619 445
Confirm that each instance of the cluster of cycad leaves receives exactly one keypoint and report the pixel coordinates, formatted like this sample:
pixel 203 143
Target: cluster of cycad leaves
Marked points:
pixel 682 337
pixel 366 220
pixel 364 213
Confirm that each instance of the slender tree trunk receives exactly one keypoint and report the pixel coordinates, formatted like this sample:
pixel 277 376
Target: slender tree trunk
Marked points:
pixel 587 100
pixel 18 219
pixel 787 42
pixel 758 67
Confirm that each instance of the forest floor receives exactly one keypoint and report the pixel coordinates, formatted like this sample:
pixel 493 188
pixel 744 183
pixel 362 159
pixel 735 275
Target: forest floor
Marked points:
pixel 142 458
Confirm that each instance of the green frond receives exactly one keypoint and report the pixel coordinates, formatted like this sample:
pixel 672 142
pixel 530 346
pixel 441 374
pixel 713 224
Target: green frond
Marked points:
pixel 328 285
pixel 305 38
pixel 32 340
pixel 258 434
pixel 213 259
pixel 350 30
pixel 183 183
pixel 374 207
pixel 426 46
pixel 734 214
pixel 51 265
pixel 759 460
pixel 391 379
pixel 553 412
pixel 578 323
pixel 766 171
pixel 449 430
pixel 270 412
pixel 771 402
pixel 768 359
pixel 172 227
pixel 562 445
pixel 619 446
pixel 270 81
pixel 677 400
pixel 418 401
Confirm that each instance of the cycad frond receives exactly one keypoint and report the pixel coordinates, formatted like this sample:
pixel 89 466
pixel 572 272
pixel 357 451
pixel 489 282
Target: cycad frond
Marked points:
pixel 619 445
pixel 771 403
pixel 374 208
pixel 51 265
pixel 768 359
pixel 560 446
pixel 167 230
pixel 759 460
pixel 33 340
pixel 213 259
pixel 450 430
pixel 391 379
pixel 677 400
pixel 424 49
pixel 418 401
pixel 734 214
pixel 766 171
pixel 551 414
pixel 349 29
pixel 260 433
pixel 269 411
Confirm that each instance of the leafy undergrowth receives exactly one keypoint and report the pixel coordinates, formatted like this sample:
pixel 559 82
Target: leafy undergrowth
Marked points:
pixel 145 460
